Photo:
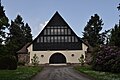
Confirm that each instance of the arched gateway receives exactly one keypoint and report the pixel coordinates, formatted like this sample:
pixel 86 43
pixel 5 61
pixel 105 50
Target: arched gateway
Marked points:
pixel 57 58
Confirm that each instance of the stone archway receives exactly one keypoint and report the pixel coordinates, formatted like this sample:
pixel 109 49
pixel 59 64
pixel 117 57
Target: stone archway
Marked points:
pixel 57 58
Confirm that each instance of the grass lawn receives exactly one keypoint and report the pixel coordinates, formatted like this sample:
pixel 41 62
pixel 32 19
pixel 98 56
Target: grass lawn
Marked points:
pixel 22 73
pixel 98 75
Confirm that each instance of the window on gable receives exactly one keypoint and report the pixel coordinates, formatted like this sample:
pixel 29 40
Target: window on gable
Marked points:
pixel 65 31
pixel 52 32
pixel 55 31
pixel 72 38
pixel 58 31
pixel 62 31
pixel 66 39
pixel 69 38
pixel 69 32
pixel 59 39
pixel 62 38
pixel 51 38
pixel 55 38
pixel 48 39
pixel 45 40
pixel 41 39
pixel 48 31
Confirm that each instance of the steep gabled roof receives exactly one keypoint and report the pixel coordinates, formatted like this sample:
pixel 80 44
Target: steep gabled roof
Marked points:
pixel 58 23
pixel 56 20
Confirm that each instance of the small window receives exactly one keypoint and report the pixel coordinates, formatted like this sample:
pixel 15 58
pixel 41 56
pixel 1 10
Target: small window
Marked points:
pixel 55 38
pixel 62 31
pixel 72 38
pixel 65 38
pixel 41 39
pixel 52 39
pixel 48 31
pixel 72 55
pixel 69 39
pixel 52 32
pixel 45 40
pixel 62 38
pixel 48 39
pixel 55 31
pixel 58 31
pixel 42 56
pixel 69 32
pixel 59 39
pixel 65 31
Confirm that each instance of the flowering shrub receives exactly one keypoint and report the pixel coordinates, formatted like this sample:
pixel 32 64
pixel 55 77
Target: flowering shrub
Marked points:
pixel 106 58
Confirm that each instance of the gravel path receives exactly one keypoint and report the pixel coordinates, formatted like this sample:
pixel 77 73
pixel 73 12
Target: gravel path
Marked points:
pixel 59 73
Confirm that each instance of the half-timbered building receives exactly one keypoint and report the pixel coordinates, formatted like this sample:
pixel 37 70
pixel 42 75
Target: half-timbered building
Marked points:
pixel 57 43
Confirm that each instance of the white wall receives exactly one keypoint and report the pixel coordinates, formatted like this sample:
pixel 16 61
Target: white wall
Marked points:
pixel 66 53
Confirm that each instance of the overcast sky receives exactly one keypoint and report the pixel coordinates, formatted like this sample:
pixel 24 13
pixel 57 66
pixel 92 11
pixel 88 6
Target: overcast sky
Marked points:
pixel 75 12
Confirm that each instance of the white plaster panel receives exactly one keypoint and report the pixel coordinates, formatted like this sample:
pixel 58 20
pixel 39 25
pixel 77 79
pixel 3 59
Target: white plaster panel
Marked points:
pixel 66 53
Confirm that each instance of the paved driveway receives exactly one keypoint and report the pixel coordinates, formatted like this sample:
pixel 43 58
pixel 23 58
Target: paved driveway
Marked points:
pixel 59 73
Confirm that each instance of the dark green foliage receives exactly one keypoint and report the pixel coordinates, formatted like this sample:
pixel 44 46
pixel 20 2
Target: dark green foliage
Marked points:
pixel 106 58
pixel 115 33
pixel 8 62
pixel 27 33
pixel 19 35
pixel 3 24
pixel 115 36
pixel 15 40
pixel 92 31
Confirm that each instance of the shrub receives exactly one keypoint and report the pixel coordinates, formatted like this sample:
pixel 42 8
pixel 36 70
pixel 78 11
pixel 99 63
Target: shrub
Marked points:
pixel 106 58
pixel 8 62
pixel 81 60
pixel 35 60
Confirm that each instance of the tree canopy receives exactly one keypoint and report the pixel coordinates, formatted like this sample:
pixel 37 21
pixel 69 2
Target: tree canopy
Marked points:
pixel 92 31
pixel 19 35
pixel 3 24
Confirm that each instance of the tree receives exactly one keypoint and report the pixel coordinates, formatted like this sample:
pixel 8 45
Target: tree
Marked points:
pixel 19 35
pixel 92 31
pixel 3 24
pixel 27 33
pixel 16 39
pixel 115 36
pixel 115 33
